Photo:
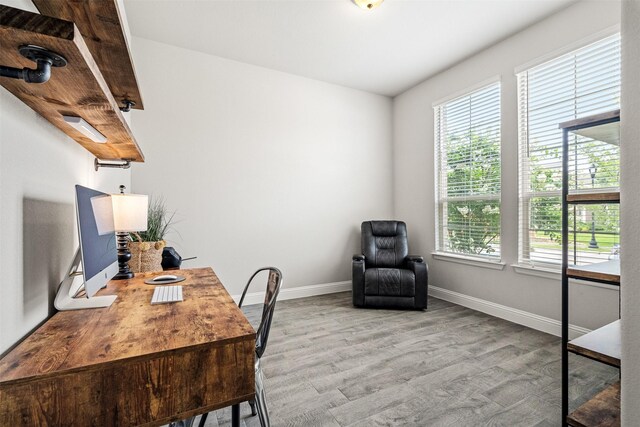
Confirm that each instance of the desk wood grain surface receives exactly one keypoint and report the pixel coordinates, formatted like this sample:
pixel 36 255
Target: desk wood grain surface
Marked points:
pixel 133 363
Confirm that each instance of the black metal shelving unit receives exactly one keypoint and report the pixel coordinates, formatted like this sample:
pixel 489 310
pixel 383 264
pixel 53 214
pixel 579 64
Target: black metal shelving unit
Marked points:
pixel 603 344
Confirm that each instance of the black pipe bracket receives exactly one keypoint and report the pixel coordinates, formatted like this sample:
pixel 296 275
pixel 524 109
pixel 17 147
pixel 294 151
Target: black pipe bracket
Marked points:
pixel 44 59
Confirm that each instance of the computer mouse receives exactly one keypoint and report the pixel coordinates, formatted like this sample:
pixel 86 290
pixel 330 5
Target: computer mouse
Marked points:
pixel 165 278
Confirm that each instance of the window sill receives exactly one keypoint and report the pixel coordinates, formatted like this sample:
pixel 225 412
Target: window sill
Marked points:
pixel 461 259
pixel 554 274
pixel 546 272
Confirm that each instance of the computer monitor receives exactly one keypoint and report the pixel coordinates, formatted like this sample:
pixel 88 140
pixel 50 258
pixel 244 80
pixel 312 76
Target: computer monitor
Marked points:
pixel 97 253
pixel 97 247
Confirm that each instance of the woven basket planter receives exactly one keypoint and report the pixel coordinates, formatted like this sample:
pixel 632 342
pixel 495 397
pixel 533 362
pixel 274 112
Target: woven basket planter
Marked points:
pixel 146 256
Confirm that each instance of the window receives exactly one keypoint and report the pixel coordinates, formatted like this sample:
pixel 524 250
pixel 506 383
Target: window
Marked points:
pixel 467 143
pixel 578 84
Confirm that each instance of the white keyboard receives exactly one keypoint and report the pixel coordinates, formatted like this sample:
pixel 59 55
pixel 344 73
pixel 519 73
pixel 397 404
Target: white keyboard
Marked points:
pixel 166 294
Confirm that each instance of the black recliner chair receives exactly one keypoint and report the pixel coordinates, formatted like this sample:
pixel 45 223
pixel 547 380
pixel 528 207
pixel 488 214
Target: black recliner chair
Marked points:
pixel 385 275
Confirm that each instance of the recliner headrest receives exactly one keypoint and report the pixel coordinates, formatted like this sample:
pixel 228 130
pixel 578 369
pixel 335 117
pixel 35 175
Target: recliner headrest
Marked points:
pixel 388 228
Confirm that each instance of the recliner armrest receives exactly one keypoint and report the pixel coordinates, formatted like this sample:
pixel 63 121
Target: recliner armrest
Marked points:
pixel 421 271
pixel 358 257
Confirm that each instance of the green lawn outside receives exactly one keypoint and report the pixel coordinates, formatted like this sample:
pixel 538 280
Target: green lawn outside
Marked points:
pixel 606 242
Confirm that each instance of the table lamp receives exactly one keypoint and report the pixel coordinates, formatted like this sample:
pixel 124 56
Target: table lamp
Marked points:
pixel 129 215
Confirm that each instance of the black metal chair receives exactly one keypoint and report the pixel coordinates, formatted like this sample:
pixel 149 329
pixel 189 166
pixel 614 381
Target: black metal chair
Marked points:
pixel 385 275
pixel 274 281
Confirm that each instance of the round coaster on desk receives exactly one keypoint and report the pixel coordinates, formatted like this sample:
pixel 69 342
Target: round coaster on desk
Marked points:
pixel 164 282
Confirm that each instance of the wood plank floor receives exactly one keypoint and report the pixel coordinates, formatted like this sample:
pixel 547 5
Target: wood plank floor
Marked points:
pixel 329 364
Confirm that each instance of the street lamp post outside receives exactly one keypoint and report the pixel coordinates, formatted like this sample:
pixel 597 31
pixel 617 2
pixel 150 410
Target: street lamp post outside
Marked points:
pixel 593 244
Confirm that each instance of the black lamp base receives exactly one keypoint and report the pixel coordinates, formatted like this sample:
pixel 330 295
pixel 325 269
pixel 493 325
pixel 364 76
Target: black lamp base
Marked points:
pixel 123 275
pixel 124 255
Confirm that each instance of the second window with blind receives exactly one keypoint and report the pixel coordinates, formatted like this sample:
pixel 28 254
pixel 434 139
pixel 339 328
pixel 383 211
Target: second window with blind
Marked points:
pixel 467 154
pixel 579 84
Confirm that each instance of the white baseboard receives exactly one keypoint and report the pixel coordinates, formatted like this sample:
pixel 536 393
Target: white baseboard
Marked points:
pixel 530 320
pixel 298 292
pixel 521 317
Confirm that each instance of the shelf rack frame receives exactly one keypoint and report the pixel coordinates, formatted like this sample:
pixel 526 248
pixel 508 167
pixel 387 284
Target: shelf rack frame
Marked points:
pixel 567 129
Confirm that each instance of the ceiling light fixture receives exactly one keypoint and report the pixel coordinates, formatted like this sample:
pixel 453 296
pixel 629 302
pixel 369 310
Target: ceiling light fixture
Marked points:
pixel 368 4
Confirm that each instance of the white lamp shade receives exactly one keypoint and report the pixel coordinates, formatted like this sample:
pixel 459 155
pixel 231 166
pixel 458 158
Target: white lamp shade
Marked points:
pixel 130 212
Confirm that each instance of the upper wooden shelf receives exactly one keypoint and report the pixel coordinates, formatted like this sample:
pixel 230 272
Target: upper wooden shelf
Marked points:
pixel 100 22
pixel 607 197
pixel 78 89
pixel 602 410
pixel 591 121
pixel 602 344
pixel 608 272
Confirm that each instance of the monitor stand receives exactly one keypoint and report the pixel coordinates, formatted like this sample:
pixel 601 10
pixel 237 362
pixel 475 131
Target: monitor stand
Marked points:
pixel 66 299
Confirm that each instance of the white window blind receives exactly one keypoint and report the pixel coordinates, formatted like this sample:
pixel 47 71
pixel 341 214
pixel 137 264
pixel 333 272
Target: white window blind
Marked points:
pixel 575 85
pixel 467 144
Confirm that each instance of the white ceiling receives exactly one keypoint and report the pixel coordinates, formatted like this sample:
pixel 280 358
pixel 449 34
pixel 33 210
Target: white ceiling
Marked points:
pixel 384 51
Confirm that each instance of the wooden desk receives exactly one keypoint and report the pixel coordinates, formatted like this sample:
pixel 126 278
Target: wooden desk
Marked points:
pixel 133 363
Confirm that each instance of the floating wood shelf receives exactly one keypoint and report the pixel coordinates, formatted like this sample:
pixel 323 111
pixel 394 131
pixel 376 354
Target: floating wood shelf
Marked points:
pixel 100 22
pixel 591 198
pixel 608 271
pixel 602 344
pixel 602 410
pixel 77 89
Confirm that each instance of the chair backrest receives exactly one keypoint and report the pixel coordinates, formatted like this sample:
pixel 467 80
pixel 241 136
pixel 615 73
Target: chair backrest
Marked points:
pixel 384 243
pixel 274 281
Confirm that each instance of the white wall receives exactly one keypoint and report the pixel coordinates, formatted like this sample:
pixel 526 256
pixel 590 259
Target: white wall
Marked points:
pixel 39 166
pixel 414 176
pixel 630 206
pixel 262 167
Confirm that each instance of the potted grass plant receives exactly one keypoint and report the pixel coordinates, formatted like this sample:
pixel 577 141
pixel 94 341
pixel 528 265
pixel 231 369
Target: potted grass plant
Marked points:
pixel 146 246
